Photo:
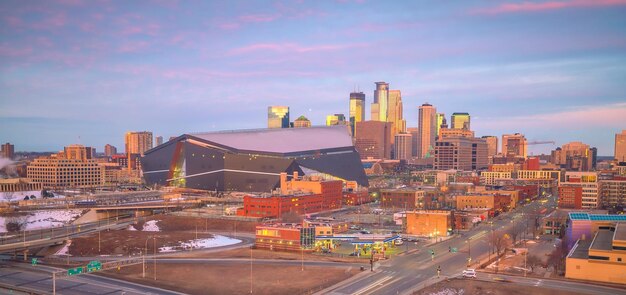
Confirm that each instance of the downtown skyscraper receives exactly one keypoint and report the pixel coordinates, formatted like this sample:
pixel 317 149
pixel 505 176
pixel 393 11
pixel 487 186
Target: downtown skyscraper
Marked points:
pixel 394 112
pixel 357 109
pixel 277 117
pixel 381 102
pixel 138 142
pixel 427 131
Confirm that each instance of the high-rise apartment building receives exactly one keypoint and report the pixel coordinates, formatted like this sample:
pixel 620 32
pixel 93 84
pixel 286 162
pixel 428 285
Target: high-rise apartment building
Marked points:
pixel 336 119
pixel 373 139
pixel 301 122
pixel 7 150
pixel 620 146
pixel 357 108
pixel 381 102
pixel 138 142
pixel 395 112
pixel 158 140
pixel 277 117
pixel 402 146
pixel 460 153
pixel 79 152
pixel 460 121
pixel 574 156
pixel 427 121
pixel 613 193
pixel 414 133
pixel 109 150
pixel 492 145
pixel 514 145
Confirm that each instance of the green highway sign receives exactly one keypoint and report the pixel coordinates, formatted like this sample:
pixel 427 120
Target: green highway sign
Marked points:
pixel 454 250
pixel 33 261
pixel 94 266
pixel 75 271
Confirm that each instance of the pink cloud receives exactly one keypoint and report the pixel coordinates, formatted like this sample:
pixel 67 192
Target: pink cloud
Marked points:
pixel 133 46
pixel 258 18
pixel 291 47
pixel 545 6
pixel 11 51
pixel 229 26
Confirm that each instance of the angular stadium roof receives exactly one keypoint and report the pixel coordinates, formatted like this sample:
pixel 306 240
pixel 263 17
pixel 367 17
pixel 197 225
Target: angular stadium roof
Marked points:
pixel 282 140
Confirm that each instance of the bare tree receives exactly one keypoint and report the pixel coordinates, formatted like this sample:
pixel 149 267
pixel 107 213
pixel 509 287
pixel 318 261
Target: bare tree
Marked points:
pixel 15 223
pixel 291 217
pixel 500 241
pixel 8 196
pixel 515 231
pixel 532 261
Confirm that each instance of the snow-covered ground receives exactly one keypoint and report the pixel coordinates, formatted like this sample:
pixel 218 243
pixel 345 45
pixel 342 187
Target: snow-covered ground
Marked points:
pixel 151 225
pixel 64 250
pixel 18 196
pixel 43 219
pixel 215 241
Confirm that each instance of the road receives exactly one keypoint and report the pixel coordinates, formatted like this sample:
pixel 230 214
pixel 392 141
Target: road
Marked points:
pixel 406 273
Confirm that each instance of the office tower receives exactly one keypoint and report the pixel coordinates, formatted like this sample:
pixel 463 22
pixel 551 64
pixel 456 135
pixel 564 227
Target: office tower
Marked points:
pixel 158 140
pixel 395 113
pixel 277 117
pixel 461 121
pixel 7 150
pixel 336 119
pixel 441 119
pixel 573 156
pixel 414 133
pixel 138 142
pixel 427 119
pixel 79 152
pixel 402 146
pixel 301 122
pixel 492 145
pixel 461 153
pixel 514 145
pixel 381 102
pixel 60 172
pixel 373 139
pixel 109 150
pixel 357 108
pixel 620 146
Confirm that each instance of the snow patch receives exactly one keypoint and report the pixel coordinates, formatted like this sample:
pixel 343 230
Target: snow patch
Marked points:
pixel 448 291
pixel 18 196
pixel 65 249
pixel 131 228
pixel 43 219
pixel 215 241
pixel 151 226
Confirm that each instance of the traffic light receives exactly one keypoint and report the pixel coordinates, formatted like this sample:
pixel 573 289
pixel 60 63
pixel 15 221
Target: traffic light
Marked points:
pixel 449 249
pixel 432 252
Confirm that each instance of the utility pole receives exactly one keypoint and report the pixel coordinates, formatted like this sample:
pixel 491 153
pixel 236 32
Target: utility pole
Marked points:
pixel 155 253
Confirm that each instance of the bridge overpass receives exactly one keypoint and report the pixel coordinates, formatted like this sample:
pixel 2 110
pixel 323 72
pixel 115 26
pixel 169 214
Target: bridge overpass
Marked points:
pixel 104 213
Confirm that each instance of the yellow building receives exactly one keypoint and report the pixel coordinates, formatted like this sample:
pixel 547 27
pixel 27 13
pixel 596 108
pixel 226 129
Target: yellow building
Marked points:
pixel 475 201
pixel 431 223
pixel 601 259
pixel 492 178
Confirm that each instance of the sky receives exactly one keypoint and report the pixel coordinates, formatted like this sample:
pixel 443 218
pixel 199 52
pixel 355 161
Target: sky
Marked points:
pixel 78 71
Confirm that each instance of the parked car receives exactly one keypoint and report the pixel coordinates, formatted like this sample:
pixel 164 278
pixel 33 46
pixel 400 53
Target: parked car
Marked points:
pixel 398 242
pixel 469 273
pixel 365 232
pixel 355 227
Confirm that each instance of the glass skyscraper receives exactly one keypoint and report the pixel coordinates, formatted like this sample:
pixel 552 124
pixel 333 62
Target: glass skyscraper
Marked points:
pixel 461 121
pixel 277 117
pixel 357 108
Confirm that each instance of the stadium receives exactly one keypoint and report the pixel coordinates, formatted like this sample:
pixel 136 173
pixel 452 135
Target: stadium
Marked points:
pixel 252 160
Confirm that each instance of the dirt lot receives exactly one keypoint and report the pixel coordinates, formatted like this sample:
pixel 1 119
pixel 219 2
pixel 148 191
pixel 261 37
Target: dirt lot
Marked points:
pixel 235 279
pixel 266 254
pixel 454 287
pixel 172 229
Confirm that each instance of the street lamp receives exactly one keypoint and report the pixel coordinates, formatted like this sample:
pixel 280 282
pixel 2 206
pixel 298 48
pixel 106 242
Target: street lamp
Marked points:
pixel 144 257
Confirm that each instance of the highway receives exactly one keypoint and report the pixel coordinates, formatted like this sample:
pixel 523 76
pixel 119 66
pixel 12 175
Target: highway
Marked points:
pixel 407 273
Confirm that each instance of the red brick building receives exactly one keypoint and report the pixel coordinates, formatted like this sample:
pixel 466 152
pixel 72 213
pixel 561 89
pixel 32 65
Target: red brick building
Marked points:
pixel 284 237
pixel 406 199
pixel 298 196
pixel 353 198
pixel 527 191
pixel 570 197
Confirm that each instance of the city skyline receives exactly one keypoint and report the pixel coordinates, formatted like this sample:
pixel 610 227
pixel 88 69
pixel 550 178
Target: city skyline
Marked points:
pixel 87 73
